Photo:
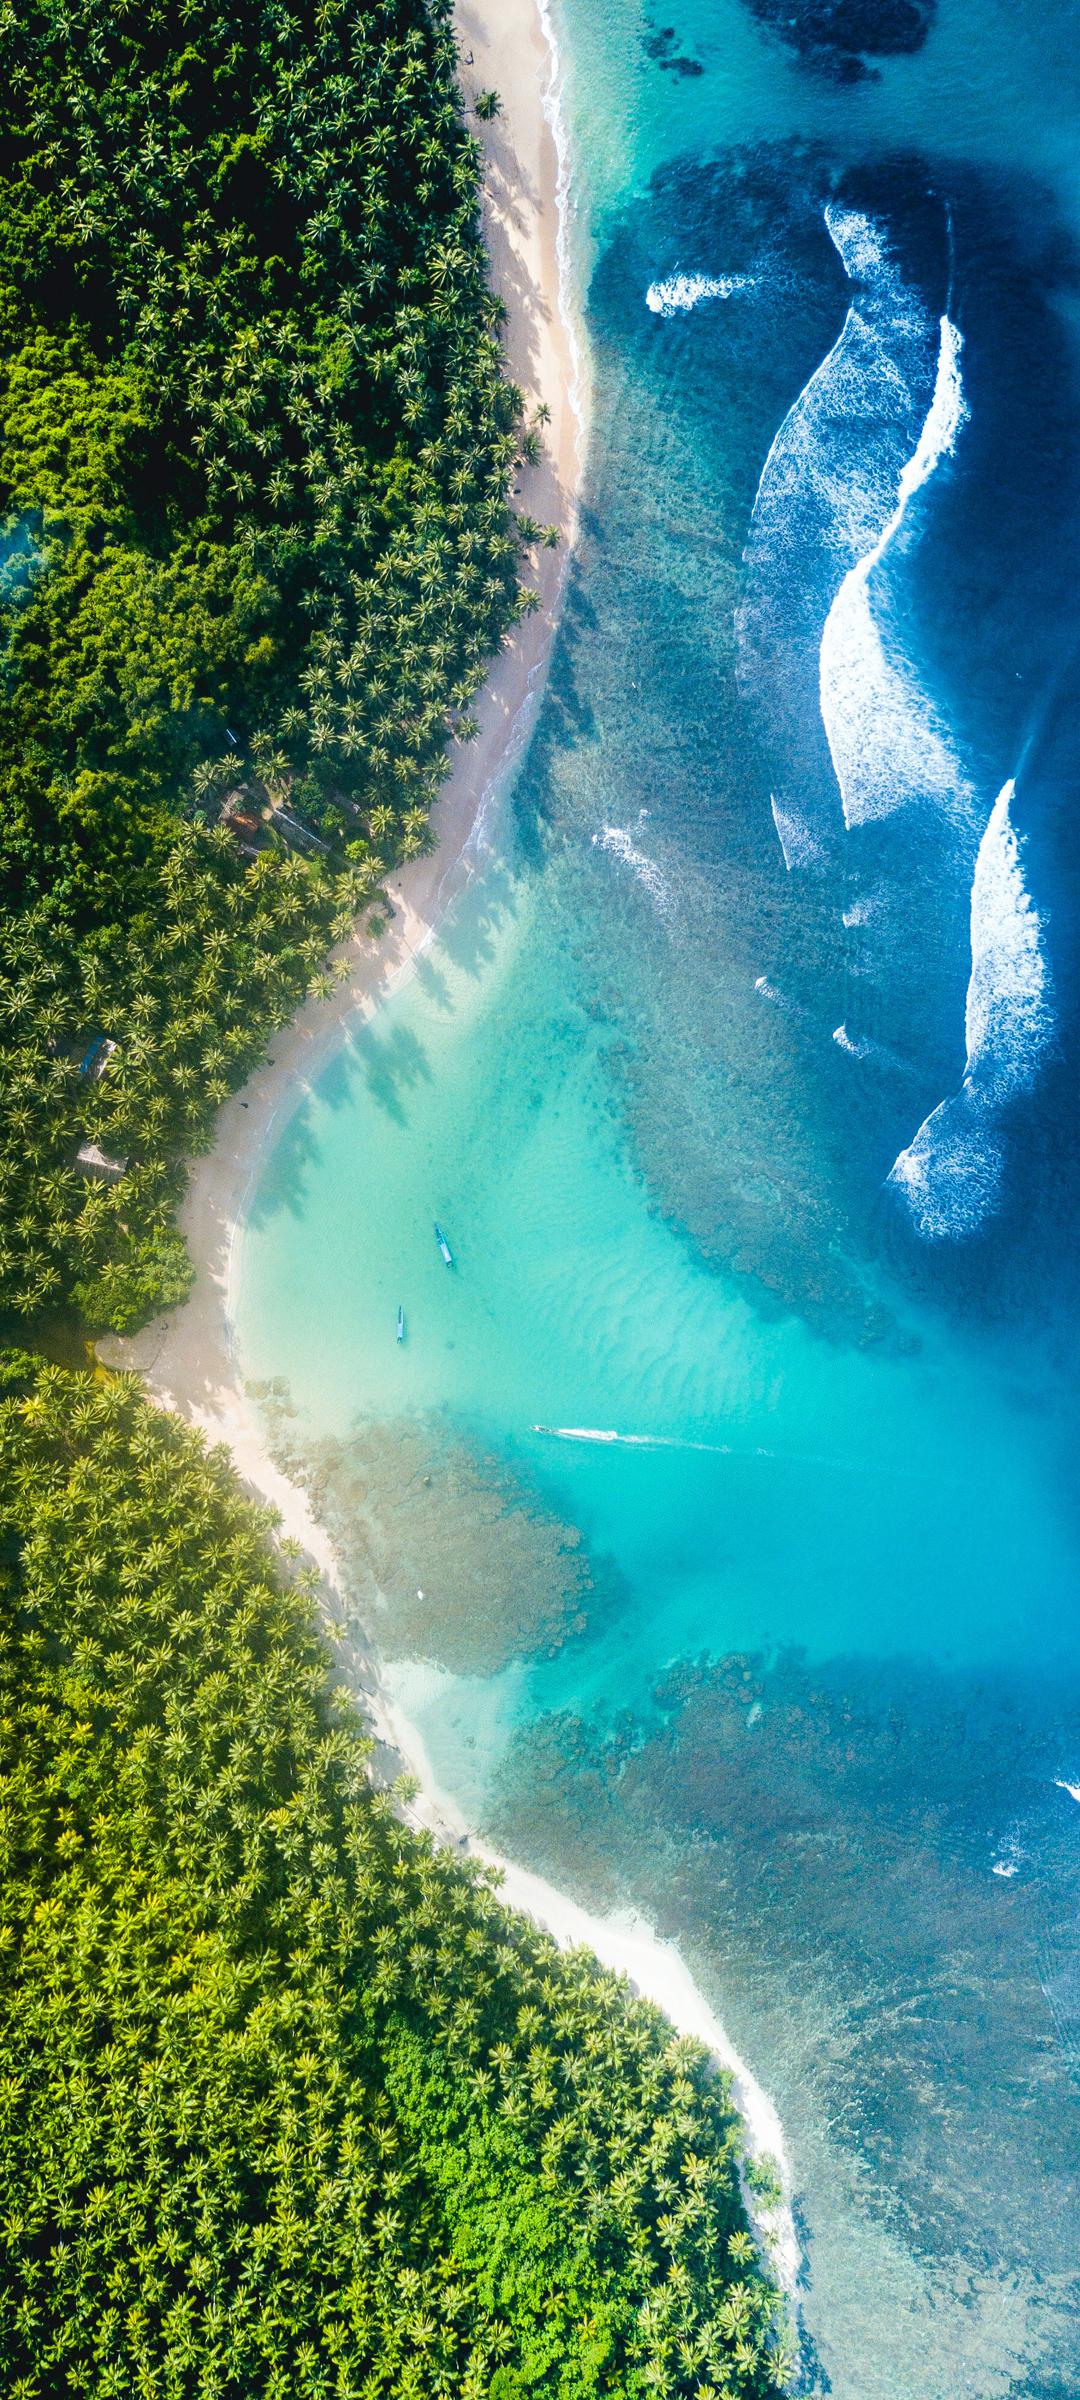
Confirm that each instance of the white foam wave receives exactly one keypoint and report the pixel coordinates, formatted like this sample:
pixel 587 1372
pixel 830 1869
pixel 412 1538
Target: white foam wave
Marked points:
pixel 1008 1021
pixel 860 242
pixel 950 1175
pixel 1073 1789
pixel 886 744
pixel 619 842
pixel 798 843
pixel 863 430
pixel 565 204
pixel 867 1051
pixel 682 292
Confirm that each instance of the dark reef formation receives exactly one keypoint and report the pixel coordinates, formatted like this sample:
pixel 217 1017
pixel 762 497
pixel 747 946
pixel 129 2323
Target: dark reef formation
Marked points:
pixel 837 37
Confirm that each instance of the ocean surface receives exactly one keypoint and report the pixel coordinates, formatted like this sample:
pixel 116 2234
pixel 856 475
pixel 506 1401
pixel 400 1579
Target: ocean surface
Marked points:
pixel 718 1520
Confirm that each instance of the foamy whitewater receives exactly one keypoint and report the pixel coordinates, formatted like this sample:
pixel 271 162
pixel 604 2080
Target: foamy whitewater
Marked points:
pixel 886 743
pixel 619 843
pixel 950 1175
pixel 867 429
pixel 744 1520
pixel 627 1945
pixel 681 293
pixel 799 845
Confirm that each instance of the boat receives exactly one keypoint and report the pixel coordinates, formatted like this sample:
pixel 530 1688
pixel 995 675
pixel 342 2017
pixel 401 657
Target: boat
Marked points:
pixel 401 1324
pixel 447 1253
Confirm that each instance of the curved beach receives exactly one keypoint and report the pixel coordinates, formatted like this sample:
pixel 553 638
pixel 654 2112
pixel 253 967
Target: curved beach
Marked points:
pixel 186 1358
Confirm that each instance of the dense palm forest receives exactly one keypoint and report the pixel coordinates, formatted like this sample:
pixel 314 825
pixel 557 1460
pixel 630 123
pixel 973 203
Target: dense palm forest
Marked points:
pixel 289 2104
pixel 255 455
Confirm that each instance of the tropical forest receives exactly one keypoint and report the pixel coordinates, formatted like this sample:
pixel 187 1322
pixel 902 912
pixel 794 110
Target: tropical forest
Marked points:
pixel 290 2103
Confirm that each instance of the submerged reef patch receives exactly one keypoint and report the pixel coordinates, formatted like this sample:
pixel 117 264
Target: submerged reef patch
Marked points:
pixel 836 38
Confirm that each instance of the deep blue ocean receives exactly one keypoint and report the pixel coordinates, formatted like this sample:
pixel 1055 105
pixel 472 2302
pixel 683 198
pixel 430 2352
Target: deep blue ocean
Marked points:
pixel 744 1082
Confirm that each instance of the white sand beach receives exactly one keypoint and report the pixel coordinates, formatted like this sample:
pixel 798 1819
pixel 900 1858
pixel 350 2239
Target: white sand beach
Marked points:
pixel 185 1358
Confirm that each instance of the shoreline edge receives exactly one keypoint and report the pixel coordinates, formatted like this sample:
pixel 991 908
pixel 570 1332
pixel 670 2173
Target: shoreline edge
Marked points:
pixel 186 1359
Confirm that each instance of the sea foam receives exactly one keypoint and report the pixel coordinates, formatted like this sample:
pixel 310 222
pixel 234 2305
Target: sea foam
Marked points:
pixel 619 843
pixel 950 1175
pixel 864 432
pixel 885 741
pixel 679 293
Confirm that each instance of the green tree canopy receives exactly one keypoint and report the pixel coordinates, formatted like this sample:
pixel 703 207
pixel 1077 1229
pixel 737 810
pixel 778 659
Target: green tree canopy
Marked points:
pixel 255 550
pixel 290 2104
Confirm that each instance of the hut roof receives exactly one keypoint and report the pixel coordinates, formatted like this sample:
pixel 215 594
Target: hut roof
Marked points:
pixel 92 1160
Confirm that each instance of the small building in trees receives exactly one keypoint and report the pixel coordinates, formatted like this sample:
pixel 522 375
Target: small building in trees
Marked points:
pixel 96 1057
pixel 242 817
pixel 294 833
pixel 94 1162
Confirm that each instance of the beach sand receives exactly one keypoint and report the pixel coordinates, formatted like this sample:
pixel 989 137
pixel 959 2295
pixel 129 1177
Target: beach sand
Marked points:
pixel 185 1358
pixel 185 1355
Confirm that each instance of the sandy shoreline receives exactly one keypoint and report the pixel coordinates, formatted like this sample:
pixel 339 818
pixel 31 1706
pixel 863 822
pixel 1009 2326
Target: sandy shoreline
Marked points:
pixel 186 1358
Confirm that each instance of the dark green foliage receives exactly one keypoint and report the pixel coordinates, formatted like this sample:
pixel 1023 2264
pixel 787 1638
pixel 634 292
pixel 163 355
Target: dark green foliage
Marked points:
pixel 255 446
pixel 289 2104
pixel 188 987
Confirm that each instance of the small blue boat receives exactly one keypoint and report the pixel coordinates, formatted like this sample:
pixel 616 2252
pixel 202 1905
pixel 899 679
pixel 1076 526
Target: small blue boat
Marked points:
pixel 401 1324
pixel 447 1253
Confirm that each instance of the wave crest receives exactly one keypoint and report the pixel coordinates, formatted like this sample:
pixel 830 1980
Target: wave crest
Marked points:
pixel 861 432
pixel 619 843
pixel 680 292
pixel 950 1176
pixel 886 744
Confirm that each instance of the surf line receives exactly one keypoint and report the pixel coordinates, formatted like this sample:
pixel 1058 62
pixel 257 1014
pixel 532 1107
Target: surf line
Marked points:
pixel 859 683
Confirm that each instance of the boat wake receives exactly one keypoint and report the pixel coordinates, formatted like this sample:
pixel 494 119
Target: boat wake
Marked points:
pixel 949 1178
pixel 645 1441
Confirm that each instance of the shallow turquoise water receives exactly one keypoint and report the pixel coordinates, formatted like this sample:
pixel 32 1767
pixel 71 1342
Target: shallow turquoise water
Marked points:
pixel 816 1493
pixel 794 1662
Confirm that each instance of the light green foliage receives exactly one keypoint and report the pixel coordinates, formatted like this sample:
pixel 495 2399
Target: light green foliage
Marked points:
pixel 289 2104
pixel 255 449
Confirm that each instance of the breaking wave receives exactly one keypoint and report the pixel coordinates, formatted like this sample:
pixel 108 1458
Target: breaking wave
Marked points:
pixel 862 431
pixel 619 843
pixel 950 1175
pixel 795 837
pixel 885 742
pixel 682 292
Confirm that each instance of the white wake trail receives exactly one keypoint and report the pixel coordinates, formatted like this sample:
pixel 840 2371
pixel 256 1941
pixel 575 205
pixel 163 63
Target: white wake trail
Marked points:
pixel 644 1441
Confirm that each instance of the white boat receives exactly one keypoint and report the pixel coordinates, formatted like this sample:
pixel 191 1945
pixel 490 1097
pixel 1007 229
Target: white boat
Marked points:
pixel 447 1253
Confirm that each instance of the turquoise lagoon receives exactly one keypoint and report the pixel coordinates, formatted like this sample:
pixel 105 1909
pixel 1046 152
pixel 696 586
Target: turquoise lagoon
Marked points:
pixel 742 1081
